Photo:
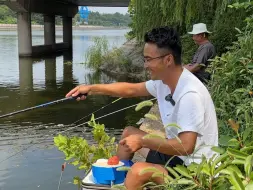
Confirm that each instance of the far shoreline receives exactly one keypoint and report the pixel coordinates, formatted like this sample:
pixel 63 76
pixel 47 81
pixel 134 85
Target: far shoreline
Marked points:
pixel 6 27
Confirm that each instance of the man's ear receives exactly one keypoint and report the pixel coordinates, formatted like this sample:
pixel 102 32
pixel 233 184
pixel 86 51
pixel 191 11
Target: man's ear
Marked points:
pixel 169 60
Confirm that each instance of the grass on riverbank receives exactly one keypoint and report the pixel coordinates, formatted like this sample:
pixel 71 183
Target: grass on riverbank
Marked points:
pixel 100 53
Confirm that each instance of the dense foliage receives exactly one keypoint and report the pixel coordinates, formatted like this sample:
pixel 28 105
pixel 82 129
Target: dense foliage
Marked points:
pixel 231 89
pixel 230 168
pixel 99 54
pixel 7 16
pixel 82 154
pixel 116 19
pixel 231 85
pixel 219 18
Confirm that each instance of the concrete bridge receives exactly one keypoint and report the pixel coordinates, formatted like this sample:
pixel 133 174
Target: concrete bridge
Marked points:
pixel 67 9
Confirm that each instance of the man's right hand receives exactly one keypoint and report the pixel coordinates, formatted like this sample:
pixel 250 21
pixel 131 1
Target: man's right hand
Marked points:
pixel 81 89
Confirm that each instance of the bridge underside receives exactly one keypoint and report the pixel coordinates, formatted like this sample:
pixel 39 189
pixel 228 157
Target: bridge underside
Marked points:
pixel 101 3
pixel 59 7
pixel 67 9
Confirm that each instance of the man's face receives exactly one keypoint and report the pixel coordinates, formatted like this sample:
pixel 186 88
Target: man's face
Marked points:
pixel 197 38
pixel 155 61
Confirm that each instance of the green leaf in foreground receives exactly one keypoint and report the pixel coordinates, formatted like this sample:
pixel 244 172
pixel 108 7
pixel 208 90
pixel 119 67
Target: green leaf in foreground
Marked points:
pixel 236 181
pixel 151 116
pixel 143 104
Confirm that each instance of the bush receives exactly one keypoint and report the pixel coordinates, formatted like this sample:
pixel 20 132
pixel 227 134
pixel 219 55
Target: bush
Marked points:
pixel 225 34
pixel 232 82
pixel 231 168
pixel 94 55
pixel 188 48
pixel 81 154
pixel 99 54
pixel 116 56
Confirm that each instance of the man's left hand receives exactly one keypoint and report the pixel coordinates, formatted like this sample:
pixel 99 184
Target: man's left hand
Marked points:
pixel 132 143
pixel 188 66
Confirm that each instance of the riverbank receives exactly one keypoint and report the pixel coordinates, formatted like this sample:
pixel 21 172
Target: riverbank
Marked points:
pixel 128 63
pixel 59 27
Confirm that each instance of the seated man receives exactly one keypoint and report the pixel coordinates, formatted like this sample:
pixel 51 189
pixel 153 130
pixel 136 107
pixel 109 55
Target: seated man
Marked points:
pixel 205 52
pixel 182 99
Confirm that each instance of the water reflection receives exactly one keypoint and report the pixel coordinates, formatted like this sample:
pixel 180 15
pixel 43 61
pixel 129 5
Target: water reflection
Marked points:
pixel 50 73
pixel 68 68
pixel 25 75
pixel 26 72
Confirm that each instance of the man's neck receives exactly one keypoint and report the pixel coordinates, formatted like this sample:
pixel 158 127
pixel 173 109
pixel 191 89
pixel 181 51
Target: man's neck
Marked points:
pixel 173 78
pixel 203 42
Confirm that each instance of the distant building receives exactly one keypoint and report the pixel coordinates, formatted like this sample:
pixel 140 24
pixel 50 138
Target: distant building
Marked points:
pixel 84 15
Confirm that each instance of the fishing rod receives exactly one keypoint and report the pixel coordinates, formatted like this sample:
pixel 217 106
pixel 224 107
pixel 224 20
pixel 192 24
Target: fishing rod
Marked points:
pixel 43 105
pixel 74 127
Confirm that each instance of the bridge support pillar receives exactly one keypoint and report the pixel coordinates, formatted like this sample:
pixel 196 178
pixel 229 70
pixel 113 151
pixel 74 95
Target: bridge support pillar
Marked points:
pixel 67 32
pixel 24 34
pixel 49 29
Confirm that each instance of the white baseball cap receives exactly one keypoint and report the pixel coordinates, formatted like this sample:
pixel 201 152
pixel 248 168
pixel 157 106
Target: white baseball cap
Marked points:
pixel 199 28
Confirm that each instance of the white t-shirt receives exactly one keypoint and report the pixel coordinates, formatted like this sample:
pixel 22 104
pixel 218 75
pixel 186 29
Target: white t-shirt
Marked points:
pixel 193 111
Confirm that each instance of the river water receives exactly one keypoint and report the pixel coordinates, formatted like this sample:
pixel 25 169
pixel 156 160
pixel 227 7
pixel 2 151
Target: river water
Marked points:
pixel 29 82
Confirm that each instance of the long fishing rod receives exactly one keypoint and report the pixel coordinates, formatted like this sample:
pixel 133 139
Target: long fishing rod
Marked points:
pixel 72 128
pixel 43 105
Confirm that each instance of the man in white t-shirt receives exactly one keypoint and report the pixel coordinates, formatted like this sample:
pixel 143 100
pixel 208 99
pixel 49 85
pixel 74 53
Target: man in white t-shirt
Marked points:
pixel 182 99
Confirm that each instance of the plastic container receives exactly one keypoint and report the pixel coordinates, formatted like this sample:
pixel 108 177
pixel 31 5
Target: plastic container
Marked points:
pixel 106 175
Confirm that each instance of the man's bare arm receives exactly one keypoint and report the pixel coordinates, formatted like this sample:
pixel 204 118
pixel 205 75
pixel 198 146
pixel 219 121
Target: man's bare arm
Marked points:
pixel 118 89
pixel 173 146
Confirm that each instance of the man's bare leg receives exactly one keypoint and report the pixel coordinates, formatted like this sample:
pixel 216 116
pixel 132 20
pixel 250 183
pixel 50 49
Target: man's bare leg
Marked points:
pixel 122 152
pixel 134 181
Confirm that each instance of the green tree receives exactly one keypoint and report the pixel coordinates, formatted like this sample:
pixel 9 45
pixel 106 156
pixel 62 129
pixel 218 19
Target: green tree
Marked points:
pixel 116 19
pixel 7 16
pixel 183 14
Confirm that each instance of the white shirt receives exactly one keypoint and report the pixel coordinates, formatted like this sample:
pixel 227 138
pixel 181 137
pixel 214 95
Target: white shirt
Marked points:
pixel 193 111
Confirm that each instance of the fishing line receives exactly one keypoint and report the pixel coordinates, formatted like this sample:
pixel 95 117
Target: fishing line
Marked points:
pixel 71 128
pixel 101 117
pixel 97 110
pixel 41 141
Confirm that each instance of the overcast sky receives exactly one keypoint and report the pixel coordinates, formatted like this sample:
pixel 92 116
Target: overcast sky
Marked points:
pixel 122 10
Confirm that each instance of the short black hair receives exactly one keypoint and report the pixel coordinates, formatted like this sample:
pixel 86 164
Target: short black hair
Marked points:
pixel 166 38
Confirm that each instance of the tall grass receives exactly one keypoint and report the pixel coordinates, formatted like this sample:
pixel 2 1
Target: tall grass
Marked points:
pixel 100 54
pixel 94 55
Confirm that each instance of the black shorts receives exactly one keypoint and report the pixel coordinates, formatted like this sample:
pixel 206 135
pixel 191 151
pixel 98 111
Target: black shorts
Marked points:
pixel 155 157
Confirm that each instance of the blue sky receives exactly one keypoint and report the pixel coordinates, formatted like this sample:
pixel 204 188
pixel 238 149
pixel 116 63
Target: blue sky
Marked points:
pixel 122 10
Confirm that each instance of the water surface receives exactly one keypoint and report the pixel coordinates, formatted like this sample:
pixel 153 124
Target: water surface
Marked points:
pixel 29 82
